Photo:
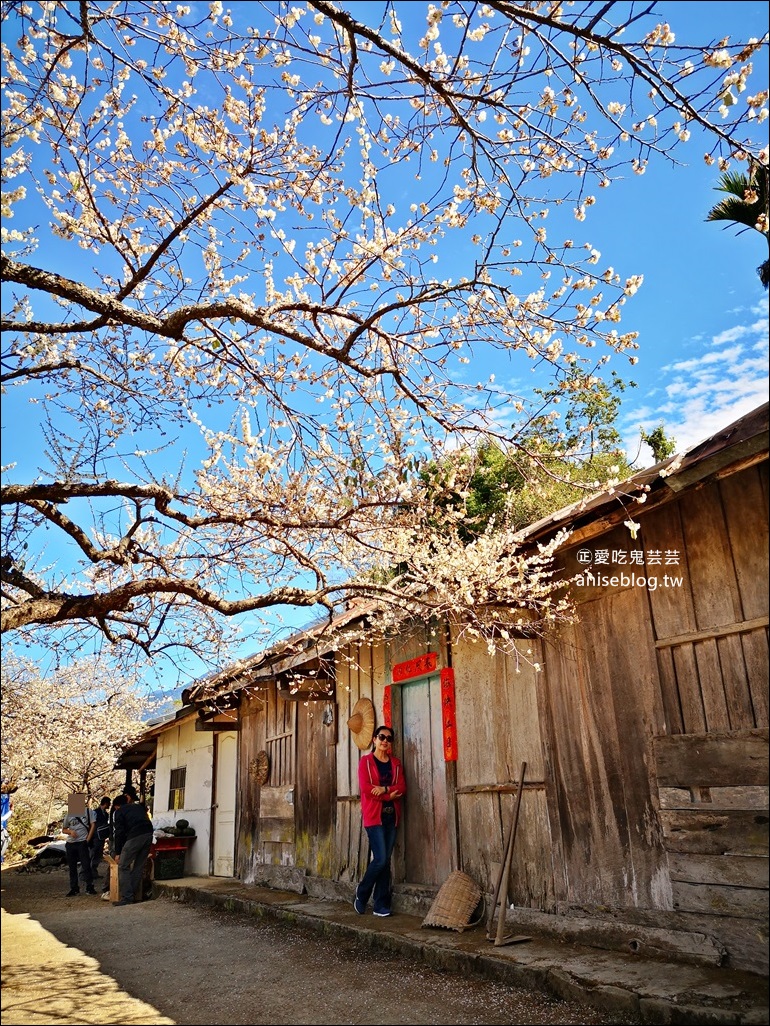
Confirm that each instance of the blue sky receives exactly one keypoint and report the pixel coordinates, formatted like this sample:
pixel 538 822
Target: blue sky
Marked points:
pixel 701 313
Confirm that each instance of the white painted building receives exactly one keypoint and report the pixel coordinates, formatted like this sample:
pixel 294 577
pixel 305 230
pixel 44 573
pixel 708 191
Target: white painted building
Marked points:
pixel 195 779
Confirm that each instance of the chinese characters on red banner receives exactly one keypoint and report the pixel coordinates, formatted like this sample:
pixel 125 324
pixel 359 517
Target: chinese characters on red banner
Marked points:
pixel 448 719
pixel 387 707
pixel 422 666
pixel 417 667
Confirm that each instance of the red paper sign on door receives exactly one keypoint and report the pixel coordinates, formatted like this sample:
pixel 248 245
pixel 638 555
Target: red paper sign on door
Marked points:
pixel 448 718
pixel 420 666
pixel 387 707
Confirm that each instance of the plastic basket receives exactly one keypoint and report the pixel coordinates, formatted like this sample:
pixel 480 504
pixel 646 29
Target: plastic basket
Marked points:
pixel 169 864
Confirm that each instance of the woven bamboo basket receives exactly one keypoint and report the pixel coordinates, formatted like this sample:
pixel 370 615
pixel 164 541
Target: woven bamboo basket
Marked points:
pixel 455 903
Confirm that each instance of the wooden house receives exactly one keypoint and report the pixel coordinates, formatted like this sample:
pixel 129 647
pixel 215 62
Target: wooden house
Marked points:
pixel 193 759
pixel 642 730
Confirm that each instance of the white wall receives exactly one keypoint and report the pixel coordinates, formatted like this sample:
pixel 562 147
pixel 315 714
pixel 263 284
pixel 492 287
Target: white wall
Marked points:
pixel 182 745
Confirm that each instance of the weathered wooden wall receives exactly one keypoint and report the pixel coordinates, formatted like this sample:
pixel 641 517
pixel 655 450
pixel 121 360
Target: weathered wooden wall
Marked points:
pixel 276 799
pixel 359 674
pixel 711 633
pixel 498 729
pixel 266 828
pixel 600 710
pixel 646 665
pixel 315 794
pixel 711 760
pixel 252 741
pixel 713 795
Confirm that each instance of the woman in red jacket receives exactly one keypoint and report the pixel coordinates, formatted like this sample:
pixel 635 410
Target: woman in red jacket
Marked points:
pixel 382 785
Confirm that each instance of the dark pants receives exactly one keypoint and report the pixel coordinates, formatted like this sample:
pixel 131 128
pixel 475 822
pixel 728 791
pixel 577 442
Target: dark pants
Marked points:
pixel 131 865
pixel 97 853
pixel 376 881
pixel 78 851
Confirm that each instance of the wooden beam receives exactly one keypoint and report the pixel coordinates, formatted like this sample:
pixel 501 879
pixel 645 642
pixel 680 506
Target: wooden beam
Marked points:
pixel 528 785
pixel 720 461
pixel 148 760
pixel 208 725
pixel 737 758
pixel 715 632
pixel 724 832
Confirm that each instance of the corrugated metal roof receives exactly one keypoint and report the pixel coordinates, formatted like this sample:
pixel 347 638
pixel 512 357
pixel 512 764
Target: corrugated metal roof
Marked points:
pixel 298 649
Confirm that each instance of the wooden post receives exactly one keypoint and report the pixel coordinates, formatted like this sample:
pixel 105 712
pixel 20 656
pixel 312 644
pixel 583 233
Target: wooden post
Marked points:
pixel 501 891
pixel 114 881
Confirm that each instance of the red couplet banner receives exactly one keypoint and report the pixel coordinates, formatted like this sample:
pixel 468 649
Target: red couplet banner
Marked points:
pixel 387 707
pixel 448 718
pixel 418 667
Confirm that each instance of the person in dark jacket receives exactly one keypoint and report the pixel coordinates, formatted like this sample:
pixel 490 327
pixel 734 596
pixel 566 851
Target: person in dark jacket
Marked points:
pixel 117 802
pixel 133 840
pixel 382 786
pixel 100 835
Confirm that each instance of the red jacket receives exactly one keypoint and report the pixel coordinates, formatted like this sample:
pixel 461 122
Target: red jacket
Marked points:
pixel 368 778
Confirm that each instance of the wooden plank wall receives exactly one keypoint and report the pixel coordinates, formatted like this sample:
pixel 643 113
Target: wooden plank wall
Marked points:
pixel 315 795
pixel 649 672
pixel 276 814
pixel 711 763
pixel 714 801
pixel 252 741
pixel 266 830
pixel 359 674
pixel 711 633
pixel 600 708
pixel 498 728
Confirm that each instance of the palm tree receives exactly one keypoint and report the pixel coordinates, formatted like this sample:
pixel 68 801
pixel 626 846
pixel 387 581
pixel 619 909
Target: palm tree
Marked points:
pixel 746 205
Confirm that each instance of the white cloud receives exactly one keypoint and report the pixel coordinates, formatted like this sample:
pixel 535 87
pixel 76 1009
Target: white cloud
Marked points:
pixel 729 355
pixel 703 395
pixel 732 334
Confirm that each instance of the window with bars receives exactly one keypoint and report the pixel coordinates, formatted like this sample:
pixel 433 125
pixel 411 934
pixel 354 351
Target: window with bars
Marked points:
pixel 280 752
pixel 176 789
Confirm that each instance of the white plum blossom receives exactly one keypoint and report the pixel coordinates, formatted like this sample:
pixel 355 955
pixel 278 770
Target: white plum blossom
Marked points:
pixel 301 231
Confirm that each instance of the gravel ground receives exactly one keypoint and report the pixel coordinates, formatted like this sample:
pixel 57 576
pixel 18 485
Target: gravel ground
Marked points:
pixel 166 962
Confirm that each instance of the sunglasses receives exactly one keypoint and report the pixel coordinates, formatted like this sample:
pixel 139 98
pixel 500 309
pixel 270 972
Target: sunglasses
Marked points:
pixel 385 737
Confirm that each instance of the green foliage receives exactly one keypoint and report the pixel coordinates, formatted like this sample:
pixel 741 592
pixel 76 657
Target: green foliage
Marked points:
pixel 21 826
pixel 662 446
pixel 517 489
pixel 588 424
pixel 558 460
pixel 746 205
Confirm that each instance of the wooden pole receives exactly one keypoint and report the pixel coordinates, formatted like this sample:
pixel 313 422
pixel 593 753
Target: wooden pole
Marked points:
pixel 500 939
pixel 493 904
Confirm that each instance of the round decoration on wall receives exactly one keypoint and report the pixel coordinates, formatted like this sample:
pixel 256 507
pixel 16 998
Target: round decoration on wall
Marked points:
pixel 259 768
pixel 361 723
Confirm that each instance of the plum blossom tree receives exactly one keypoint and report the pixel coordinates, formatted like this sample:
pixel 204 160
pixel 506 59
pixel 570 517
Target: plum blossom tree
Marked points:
pixel 249 259
pixel 62 733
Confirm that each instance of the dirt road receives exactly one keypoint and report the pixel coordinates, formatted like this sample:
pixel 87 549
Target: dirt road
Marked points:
pixel 80 961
